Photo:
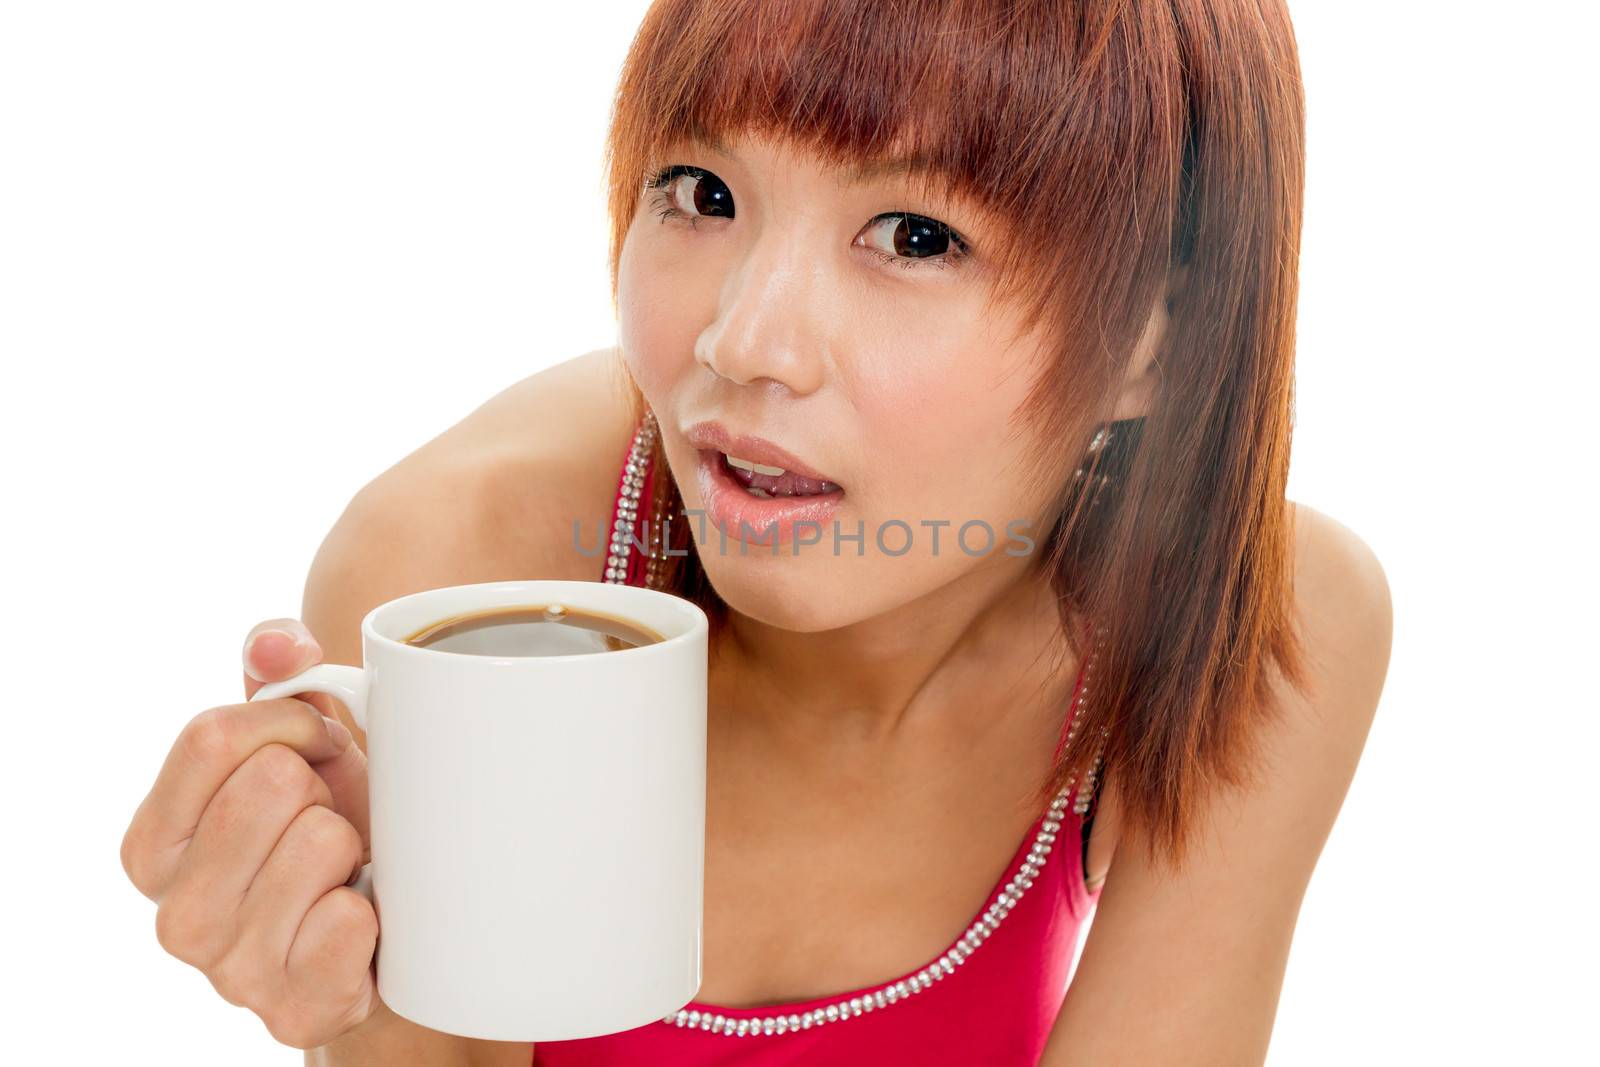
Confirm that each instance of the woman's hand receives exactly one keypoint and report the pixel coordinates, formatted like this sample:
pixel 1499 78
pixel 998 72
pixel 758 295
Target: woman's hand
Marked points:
pixel 256 823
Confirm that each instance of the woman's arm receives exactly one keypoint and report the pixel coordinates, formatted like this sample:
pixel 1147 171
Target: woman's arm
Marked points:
pixel 493 497
pixel 1187 969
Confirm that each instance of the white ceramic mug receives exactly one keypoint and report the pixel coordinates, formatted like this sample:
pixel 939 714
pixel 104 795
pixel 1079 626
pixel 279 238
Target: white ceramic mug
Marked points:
pixel 538 822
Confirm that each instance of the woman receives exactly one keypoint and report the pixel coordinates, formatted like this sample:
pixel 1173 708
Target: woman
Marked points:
pixel 955 380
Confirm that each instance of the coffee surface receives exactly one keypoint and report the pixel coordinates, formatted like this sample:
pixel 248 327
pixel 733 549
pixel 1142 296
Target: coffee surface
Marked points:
pixel 533 630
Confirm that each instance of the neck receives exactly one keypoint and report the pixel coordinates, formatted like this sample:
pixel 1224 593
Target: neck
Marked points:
pixel 909 669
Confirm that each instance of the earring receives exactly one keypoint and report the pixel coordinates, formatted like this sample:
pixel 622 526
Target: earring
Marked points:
pixel 1117 439
pixel 1102 437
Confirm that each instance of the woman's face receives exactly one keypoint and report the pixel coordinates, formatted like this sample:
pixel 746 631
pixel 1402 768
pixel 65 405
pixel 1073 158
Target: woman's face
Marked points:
pixel 847 323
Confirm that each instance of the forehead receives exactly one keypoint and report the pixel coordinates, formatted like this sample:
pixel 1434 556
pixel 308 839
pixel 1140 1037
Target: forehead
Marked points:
pixel 893 162
pixel 893 165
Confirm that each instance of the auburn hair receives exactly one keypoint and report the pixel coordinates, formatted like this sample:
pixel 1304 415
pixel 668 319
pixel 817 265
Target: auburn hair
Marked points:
pixel 1111 141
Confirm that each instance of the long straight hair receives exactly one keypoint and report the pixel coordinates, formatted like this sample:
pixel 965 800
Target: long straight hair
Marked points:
pixel 1111 141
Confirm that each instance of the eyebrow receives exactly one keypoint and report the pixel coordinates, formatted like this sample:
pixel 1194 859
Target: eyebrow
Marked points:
pixel 856 175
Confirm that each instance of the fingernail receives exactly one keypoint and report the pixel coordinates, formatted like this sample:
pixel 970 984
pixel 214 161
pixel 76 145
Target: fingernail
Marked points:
pixel 337 732
pixel 287 636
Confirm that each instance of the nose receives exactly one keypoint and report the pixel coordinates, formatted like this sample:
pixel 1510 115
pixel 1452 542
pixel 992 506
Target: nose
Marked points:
pixel 766 329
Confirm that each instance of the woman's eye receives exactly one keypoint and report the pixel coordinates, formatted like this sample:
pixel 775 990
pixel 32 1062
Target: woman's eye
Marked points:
pixel 900 238
pixel 912 241
pixel 700 194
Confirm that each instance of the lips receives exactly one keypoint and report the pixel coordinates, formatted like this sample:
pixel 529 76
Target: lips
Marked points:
pixel 797 478
pixel 766 494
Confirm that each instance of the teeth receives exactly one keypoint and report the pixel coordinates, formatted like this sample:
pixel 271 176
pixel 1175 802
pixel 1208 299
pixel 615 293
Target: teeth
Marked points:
pixel 749 465
pixel 761 493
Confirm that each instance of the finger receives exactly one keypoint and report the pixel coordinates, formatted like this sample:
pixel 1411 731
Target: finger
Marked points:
pixel 277 649
pixel 208 750
pixel 333 951
pixel 318 851
pixel 242 825
pixel 346 775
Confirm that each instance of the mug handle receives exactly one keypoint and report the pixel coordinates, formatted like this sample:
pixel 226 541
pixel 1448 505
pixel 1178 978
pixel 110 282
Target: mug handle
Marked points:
pixel 347 683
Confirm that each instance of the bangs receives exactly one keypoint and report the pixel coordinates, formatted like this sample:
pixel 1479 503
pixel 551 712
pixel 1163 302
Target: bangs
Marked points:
pixel 1061 123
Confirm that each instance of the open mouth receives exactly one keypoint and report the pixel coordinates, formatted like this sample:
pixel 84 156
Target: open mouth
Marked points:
pixel 765 482
pixel 761 504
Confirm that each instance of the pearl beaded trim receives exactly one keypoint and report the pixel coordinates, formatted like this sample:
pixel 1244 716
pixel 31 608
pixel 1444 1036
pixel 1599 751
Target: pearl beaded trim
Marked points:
pixel 976 934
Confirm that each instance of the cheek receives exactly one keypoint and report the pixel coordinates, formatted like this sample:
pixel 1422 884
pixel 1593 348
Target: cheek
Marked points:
pixel 938 423
pixel 656 321
pixel 934 373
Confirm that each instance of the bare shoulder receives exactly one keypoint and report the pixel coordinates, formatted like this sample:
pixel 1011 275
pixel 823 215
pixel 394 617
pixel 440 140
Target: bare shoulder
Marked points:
pixel 1345 619
pixel 493 497
pixel 1254 849
pixel 1342 601
pixel 533 460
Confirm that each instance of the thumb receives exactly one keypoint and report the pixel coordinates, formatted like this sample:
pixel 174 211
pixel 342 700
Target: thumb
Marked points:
pixel 277 649
pixel 282 648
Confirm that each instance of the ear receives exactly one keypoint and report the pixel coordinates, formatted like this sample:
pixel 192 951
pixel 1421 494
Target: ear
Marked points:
pixel 1144 369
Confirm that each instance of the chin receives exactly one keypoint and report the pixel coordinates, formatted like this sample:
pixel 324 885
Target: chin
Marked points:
pixel 784 592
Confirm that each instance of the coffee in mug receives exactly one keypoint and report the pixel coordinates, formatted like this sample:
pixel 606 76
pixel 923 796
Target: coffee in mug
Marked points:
pixel 533 630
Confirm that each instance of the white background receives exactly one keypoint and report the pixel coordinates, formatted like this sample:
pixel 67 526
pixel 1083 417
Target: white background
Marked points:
pixel 250 255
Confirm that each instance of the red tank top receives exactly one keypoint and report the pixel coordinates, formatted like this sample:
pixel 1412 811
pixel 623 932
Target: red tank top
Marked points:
pixel 988 998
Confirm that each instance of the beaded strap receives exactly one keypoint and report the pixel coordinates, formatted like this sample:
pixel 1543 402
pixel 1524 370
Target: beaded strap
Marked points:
pixel 636 479
pixel 1085 795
